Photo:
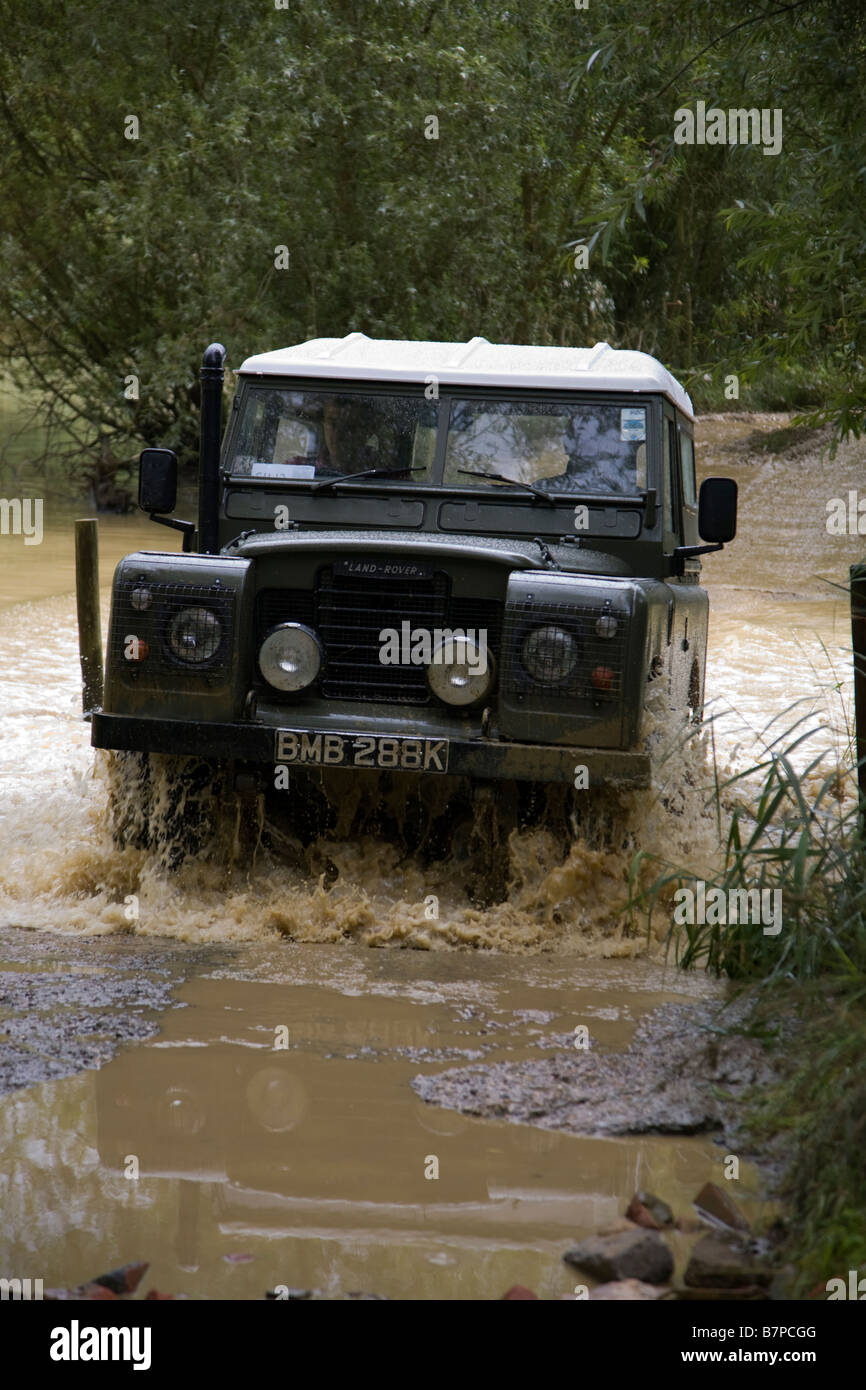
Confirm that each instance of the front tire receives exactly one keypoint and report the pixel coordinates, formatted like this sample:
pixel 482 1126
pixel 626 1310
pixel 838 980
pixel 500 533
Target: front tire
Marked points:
pixel 170 806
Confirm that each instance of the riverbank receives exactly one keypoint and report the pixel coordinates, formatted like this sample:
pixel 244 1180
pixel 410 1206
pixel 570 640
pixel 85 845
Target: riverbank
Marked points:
pixel 63 1010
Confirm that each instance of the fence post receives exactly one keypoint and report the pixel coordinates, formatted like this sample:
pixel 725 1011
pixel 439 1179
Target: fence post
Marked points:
pixel 89 622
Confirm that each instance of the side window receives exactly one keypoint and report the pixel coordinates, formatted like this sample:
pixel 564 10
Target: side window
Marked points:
pixel 687 458
pixel 671 511
pixel 640 467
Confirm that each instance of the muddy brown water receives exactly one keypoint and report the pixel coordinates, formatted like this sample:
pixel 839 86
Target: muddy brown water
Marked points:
pixel 234 1165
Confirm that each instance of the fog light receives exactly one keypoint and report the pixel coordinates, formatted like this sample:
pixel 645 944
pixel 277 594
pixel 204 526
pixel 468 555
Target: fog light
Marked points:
pixel 606 625
pixel 549 654
pixel 290 657
pixel 461 671
pixel 141 598
pixel 602 678
pixel 194 635
pixel 135 648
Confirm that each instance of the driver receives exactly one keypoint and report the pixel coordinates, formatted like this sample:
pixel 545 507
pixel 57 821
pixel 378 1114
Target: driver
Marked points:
pixel 348 442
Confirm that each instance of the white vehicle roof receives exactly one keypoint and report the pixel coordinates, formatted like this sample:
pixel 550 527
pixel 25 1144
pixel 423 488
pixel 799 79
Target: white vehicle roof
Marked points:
pixel 476 363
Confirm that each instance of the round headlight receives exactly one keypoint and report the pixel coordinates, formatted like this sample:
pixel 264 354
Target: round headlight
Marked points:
pixel 276 1099
pixel 549 654
pixel 141 598
pixel 461 671
pixel 606 625
pixel 194 634
pixel 290 657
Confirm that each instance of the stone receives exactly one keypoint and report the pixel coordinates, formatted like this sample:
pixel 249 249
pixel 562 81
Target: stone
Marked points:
pixel 626 1290
pixel 749 1293
pixel 650 1211
pixel 637 1254
pixel 641 1215
pixel 714 1204
pixel 84 1291
pixel 720 1262
pixel 124 1280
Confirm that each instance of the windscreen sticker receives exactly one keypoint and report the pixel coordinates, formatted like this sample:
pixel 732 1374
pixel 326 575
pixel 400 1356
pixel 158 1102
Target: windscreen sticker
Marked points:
pixel 632 424
pixel 285 470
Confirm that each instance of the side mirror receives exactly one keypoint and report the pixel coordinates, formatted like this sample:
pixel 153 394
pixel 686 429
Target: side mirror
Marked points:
pixel 157 480
pixel 717 510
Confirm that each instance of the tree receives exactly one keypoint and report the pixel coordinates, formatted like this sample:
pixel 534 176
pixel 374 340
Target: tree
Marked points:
pixel 263 175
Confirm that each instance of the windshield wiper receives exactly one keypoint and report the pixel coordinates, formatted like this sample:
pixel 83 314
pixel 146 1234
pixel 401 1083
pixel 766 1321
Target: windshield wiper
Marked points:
pixel 501 478
pixel 367 473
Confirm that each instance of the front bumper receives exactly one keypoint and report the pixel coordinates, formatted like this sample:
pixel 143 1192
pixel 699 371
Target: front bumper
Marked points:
pixel 479 759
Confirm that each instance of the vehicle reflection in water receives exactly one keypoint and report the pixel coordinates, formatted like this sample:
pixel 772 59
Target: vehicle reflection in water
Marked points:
pixel 314 1158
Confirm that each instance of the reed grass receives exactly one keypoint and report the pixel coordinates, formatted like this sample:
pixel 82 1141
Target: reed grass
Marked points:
pixel 799 830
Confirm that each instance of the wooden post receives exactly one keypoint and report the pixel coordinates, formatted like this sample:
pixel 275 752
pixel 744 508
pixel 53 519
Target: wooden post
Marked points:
pixel 89 621
pixel 858 642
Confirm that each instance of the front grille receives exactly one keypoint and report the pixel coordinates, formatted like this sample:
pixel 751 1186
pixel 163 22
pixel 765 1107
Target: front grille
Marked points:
pixel 275 606
pixel 349 612
pixel 579 622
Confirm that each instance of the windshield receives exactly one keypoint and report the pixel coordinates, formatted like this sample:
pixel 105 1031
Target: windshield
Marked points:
pixel 321 434
pixel 557 446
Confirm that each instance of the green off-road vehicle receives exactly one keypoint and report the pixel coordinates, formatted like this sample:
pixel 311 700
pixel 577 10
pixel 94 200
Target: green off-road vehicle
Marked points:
pixel 443 560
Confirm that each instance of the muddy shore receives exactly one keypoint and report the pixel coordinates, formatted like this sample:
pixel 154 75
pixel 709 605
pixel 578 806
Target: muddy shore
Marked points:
pixel 689 1069
pixel 60 1015
pixel 684 1071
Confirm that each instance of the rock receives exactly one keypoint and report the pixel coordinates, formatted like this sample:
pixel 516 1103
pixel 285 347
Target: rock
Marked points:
pixel 748 1292
pixel 637 1254
pixel 650 1211
pixel 517 1291
pixel 714 1205
pixel 622 1290
pixel 88 1291
pixel 124 1280
pixel 641 1215
pixel 721 1262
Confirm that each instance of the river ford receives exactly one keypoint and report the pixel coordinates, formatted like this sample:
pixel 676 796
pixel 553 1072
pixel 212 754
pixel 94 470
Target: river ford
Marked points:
pixel 258 1125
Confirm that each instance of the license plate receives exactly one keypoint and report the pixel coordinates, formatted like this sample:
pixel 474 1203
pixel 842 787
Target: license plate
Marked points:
pixel 302 748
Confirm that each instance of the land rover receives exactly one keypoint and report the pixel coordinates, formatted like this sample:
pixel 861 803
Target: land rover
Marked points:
pixel 449 560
